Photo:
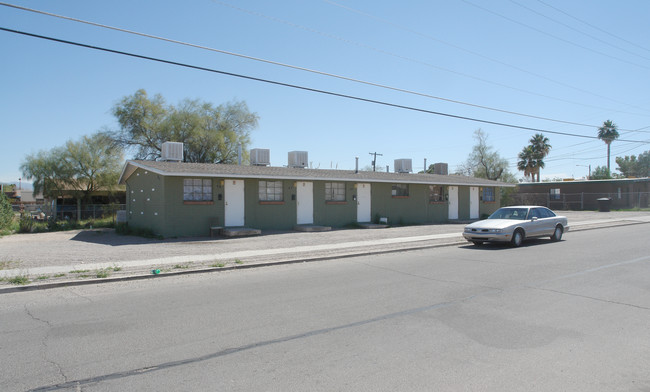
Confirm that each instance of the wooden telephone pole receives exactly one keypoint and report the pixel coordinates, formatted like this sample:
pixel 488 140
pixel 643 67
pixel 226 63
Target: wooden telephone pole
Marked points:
pixel 374 159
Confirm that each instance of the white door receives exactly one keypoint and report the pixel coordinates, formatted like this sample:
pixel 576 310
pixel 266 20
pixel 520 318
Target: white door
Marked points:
pixel 453 202
pixel 473 202
pixel 305 202
pixel 234 203
pixel 363 202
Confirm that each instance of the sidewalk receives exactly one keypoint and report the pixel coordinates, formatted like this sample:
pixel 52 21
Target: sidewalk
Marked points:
pixel 93 256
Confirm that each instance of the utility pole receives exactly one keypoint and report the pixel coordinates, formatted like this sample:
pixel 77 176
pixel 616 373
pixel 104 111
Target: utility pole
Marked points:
pixel 374 159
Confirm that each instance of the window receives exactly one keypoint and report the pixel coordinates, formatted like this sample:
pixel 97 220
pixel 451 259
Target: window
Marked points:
pixel 488 194
pixel 400 190
pixel 196 189
pixel 436 193
pixel 271 191
pixel 546 213
pixel 334 191
pixel 555 194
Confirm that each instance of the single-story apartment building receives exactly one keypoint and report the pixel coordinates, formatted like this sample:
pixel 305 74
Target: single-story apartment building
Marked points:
pixel 174 198
pixel 584 194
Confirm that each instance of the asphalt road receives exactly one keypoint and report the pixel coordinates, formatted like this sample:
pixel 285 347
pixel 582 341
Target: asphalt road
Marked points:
pixel 571 315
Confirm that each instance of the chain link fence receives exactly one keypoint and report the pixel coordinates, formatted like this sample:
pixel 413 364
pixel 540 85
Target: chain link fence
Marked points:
pixel 70 212
pixel 583 201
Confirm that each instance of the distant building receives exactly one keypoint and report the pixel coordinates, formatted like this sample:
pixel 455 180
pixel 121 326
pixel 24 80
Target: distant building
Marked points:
pixel 583 194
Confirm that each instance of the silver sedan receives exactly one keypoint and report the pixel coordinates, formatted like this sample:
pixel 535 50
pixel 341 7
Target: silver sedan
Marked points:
pixel 515 224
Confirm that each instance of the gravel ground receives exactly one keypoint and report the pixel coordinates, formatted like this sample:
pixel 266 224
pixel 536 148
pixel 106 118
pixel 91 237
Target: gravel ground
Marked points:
pixel 136 254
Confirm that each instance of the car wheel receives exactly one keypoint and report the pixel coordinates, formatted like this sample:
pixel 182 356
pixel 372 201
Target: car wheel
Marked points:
pixel 517 238
pixel 478 243
pixel 557 234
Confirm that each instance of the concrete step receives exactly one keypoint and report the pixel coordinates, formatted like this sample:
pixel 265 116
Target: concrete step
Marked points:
pixel 311 228
pixel 239 231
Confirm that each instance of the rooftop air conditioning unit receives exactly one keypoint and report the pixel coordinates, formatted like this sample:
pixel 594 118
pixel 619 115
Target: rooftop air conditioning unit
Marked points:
pixel 298 159
pixel 260 157
pixel 403 166
pixel 172 152
pixel 441 168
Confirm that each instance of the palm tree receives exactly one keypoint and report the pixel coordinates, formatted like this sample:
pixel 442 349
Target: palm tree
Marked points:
pixel 541 148
pixel 527 162
pixel 608 133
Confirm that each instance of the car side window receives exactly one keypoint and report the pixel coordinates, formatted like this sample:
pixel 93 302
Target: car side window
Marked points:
pixel 547 213
pixel 534 213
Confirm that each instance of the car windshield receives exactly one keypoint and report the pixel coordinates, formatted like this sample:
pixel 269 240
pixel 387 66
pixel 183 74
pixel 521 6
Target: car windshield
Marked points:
pixel 510 213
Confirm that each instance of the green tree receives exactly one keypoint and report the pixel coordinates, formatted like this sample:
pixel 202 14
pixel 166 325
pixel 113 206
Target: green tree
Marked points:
pixel 633 166
pixel 6 212
pixel 601 173
pixel 484 162
pixel 541 148
pixel 91 164
pixel 209 134
pixel 531 158
pixel 46 169
pixel 608 133
pixel 78 168
pixel 527 163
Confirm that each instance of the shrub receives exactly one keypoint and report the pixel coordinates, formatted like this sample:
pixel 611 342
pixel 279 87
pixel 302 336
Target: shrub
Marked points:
pixel 26 223
pixel 6 212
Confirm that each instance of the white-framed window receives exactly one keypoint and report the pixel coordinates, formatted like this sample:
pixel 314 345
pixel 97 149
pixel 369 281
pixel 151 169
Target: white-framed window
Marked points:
pixel 334 191
pixel 197 189
pixel 488 193
pixel 270 191
pixel 436 193
pixel 400 190
pixel 555 194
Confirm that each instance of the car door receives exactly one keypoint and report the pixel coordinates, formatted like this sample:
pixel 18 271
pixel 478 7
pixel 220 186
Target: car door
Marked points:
pixel 549 221
pixel 532 223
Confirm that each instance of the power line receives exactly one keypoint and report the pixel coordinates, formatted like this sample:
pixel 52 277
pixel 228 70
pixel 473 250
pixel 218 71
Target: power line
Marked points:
pixel 497 61
pixel 312 70
pixel 594 26
pixel 268 81
pixel 577 31
pixel 554 36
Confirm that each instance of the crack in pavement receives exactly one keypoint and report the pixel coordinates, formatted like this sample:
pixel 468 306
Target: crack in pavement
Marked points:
pixel 589 297
pixel 252 346
pixel 58 367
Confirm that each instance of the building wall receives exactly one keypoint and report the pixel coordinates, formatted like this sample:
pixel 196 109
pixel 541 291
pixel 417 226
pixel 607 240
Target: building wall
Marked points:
pixel 146 201
pixel 486 208
pixel 412 209
pixel 156 202
pixel 334 214
pixel 280 215
pixel 191 218
pixel 463 203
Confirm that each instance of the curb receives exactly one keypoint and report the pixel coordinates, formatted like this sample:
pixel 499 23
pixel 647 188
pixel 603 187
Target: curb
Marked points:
pixel 45 286
pixel 87 282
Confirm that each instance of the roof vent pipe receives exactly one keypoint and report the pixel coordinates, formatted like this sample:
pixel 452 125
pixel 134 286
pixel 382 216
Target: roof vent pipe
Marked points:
pixel 425 165
pixel 239 154
pixel 387 169
pixel 356 165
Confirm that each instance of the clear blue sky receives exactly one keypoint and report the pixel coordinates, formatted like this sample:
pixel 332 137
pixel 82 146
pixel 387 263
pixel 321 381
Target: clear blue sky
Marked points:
pixel 576 61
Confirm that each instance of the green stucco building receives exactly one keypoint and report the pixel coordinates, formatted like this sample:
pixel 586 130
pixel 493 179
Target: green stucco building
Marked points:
pixel 186 199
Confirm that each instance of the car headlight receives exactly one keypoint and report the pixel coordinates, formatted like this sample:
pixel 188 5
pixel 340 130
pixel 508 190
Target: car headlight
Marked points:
pixel 497 230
